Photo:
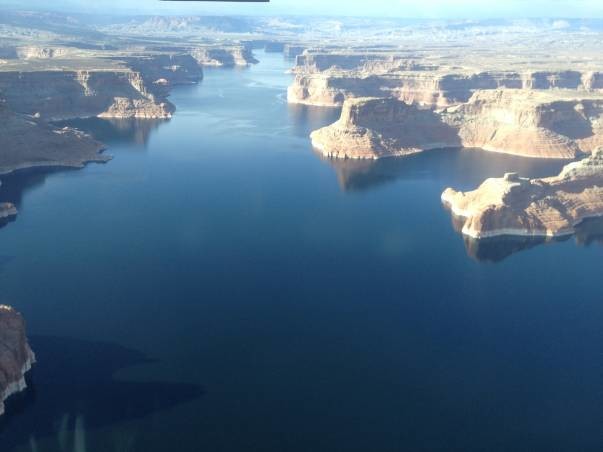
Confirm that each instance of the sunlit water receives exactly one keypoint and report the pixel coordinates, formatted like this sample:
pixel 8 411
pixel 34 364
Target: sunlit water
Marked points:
pixel 219 287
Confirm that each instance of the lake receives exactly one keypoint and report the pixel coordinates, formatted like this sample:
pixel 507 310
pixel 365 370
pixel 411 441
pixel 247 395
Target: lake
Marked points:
pixel 218 286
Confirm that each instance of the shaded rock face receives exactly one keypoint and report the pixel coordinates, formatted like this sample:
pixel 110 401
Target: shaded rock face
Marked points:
pixel 274 47
pixel 224 56
pixel 548 207
pixel 72 94
pixel 26 142
pixel 293 50
pixel 162 71
pixel 521 122
pixel 16 357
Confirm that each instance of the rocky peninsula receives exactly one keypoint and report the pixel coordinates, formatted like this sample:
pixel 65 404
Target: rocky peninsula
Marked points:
pixel 16 357
pixel 544 124
pixel 516 206
pixel 56 68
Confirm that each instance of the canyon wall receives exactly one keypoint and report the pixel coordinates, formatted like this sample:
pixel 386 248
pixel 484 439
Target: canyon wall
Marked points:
pixel 543 124
pixel 371 128
pixel 329 78
pixel 16 357
pixel 236 55
pixel 53 95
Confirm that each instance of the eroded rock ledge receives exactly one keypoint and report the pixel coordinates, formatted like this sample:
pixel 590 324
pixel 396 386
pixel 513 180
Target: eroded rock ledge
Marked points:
pixel 16 357
pixel 545 124
pixel 549 207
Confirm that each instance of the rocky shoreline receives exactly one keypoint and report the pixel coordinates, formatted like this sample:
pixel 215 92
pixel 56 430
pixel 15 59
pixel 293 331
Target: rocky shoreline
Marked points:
pixel 536 124
pixel 516 206
pixel 16 357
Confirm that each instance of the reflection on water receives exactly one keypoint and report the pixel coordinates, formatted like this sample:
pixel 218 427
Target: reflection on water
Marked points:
pixel 496 249
pixel 305 119
pixel 15 185
pixel 132 132
pixel 460 168
pixel 118 131
pixel 463 169
pixel 73 384
pixel 590 232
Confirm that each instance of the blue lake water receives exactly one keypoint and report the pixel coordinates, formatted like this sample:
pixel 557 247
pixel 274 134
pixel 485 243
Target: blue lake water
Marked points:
pixel 218 286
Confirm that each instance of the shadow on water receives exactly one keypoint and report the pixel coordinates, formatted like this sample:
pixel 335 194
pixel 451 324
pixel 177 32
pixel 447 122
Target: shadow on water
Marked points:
pixel 72 384
pixel 15 185
pixel 462 169
pixel 497 249
pixel 306 119
pixel 117 131
pixel 109 131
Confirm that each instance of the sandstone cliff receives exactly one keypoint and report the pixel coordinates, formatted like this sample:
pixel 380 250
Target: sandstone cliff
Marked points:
pixel 81 93
pixel 236 55
pixel 374 128
pixel 543 124
pixel 161 71
pixel 16 357
pixel 437 77
pixel 518 206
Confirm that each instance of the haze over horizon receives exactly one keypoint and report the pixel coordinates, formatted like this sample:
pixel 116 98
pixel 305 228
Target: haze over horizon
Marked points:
pixel 436 9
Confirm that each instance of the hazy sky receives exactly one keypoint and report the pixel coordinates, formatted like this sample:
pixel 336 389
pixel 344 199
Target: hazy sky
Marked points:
pixel 387 8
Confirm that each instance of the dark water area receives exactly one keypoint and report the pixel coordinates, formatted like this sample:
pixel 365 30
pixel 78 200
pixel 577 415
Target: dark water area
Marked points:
pixel 218 286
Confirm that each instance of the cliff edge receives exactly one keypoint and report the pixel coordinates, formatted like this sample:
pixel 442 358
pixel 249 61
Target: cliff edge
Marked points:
pixel 541 124
pixel 16 357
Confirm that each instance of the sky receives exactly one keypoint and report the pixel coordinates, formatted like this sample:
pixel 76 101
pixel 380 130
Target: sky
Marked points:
pixel 447 9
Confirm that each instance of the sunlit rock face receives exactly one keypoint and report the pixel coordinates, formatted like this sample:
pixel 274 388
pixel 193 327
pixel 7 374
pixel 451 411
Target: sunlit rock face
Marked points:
pixel 436 76
pixel 16 357
pixel 541 124
pixel 227 56
pixel 374 128
pixel 544 124
pixel 7 212
pixel 548 207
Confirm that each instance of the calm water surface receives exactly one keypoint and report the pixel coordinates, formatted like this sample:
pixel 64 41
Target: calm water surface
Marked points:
pixel 219 287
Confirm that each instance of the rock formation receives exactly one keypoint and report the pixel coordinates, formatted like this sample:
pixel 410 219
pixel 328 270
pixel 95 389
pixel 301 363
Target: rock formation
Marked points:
pixel 373 128
pixel 27 142
pixel 543 123
pixel 293 50
pixel 431 77
pixel 7 212
pixel 548 207
pixel 118 93
pixel 16 357
pixel 236 55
